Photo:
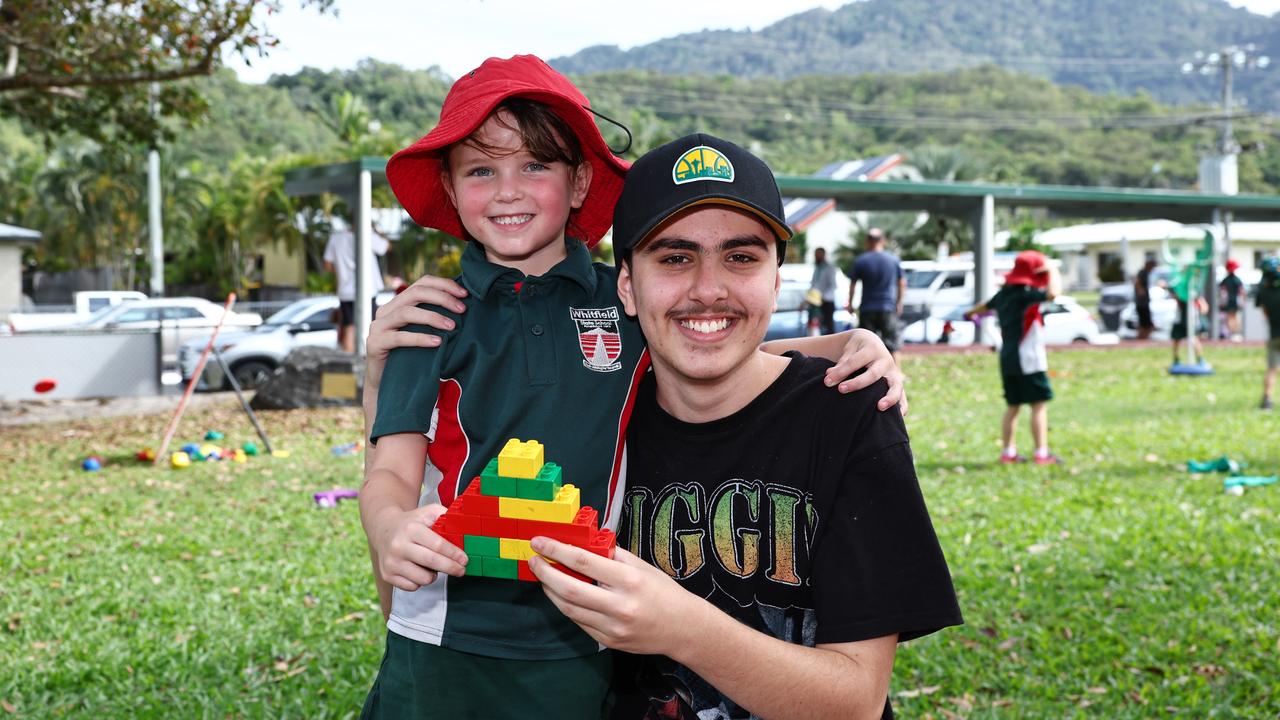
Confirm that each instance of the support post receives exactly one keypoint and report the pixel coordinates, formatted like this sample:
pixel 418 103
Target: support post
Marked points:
pixel 364 252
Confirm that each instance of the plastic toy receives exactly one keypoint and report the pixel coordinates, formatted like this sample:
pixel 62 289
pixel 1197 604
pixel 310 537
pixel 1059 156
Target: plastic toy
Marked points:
pixel 93 463
pixel 239 456
pixel 1248 481
pixel 179 460
pixel 494 519
pixel 146 455
pixel 1222 464
pixel 213 435
pixel 351 448
pixel 211 452
pixel 330 498
pixel 45 385
pixel 249 448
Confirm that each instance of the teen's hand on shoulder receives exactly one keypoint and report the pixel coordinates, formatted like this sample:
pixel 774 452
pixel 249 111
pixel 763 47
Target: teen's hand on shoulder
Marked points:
pixel 865 349
pixel 636 607
pixel 385 333
pixel 410 554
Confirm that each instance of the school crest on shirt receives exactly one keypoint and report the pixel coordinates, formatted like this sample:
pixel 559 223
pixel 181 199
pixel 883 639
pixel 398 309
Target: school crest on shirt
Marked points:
pixel 599 337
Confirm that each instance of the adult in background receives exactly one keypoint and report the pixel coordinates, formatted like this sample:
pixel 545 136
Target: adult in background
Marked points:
pixel 1232 289
pixel 340 259
pixel 1269 301
pixel 824 281
pixel 1142 299
pixel 883 288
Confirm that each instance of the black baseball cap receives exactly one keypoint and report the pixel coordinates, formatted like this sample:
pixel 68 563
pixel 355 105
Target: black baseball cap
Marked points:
pixel 697 169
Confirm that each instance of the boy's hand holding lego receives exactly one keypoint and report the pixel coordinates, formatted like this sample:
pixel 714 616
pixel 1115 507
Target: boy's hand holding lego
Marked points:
pixel 636 607
pixel 406 552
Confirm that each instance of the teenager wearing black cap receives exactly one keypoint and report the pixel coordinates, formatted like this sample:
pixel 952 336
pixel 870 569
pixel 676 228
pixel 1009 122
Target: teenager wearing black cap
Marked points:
pixel 779 544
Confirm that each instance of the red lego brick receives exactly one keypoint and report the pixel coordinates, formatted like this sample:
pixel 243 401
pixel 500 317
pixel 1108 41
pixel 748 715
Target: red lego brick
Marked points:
pixel 501 527
pixel 454 538
pixel 571 533
pixel 472 502
pixel 524 573
pixel 465 524
pixel 576 574
pixel 602 543
pixel 587 516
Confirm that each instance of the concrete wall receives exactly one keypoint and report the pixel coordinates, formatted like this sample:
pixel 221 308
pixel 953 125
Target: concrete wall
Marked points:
pixel 82 364
pixel 10 276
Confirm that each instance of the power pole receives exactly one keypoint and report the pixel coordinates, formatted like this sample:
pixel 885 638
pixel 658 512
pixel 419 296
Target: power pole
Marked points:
pixel 1219 172
pixel 155 224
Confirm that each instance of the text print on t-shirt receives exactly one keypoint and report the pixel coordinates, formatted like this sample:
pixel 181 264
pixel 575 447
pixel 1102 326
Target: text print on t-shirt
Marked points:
pixel 751 529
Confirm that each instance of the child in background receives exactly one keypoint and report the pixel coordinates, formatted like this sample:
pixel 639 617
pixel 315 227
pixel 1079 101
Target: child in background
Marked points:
pixel 1023 361
pixel 517 167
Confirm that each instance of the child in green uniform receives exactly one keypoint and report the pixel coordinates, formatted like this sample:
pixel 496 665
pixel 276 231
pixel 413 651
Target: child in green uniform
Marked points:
pixel 1023 362
pixel 518 167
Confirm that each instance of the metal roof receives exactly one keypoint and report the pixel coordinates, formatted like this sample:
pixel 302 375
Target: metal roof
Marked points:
pixel 18 234
pixel 956 199
pixel 962 199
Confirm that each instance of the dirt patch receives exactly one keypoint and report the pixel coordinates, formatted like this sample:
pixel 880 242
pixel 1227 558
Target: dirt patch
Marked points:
pixel 35 412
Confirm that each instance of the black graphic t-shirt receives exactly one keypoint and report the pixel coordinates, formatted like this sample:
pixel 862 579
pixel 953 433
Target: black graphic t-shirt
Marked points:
pixel 799 515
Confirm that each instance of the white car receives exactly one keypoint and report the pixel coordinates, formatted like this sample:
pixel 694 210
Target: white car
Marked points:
pixel 1065 322
pixel 178 319
pixel 253 355
pixel 1164 313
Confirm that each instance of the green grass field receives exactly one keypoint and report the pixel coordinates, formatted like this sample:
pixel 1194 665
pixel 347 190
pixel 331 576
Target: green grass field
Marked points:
pixel 1116 586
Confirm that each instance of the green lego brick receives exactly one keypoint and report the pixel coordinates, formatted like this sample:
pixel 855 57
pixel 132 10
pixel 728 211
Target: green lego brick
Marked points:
pixel 491 483
pixel 475 545
pixel 496 567
pixel 544 486
pixel 474 567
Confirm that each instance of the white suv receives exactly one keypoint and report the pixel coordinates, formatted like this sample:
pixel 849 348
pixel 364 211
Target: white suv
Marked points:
pixel 253 355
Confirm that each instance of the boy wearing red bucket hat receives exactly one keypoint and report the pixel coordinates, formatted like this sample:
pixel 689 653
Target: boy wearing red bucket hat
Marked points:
pixel 1023 361
pixel 518 167
pixel 1232 288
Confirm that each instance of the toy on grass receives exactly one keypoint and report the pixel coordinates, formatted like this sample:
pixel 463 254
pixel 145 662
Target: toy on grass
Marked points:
pixel 249 449
pixel 179 460
pixel 239 456
pixel 516 498
pixel 146 455
pixel 1243 481
pixel 93 463
pixel 330 498
pixel 351 448
pixel 45 385
pixel 213 435
pixel 1222 464
pixel 193 451
pixel 280 453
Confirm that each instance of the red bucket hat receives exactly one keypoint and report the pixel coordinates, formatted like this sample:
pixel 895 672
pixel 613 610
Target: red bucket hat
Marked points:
pixel 414 172
pixel 1028 269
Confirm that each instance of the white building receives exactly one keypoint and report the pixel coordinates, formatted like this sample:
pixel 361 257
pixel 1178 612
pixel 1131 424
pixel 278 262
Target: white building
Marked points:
pixel 1113 252
pixel 11 240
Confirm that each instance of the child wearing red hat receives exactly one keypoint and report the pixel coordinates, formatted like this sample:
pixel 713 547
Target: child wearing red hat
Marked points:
pixel 1232 288
pixel 1023 361
pixel 518 168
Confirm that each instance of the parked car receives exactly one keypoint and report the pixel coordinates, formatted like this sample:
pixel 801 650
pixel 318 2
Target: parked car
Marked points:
pixel 791 319
pixel 85 306
pixel 1065 322
pixel 253 355
pixel 178 319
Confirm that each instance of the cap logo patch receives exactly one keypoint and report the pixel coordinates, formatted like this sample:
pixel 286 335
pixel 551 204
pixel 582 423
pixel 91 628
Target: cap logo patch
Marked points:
pixel 702 163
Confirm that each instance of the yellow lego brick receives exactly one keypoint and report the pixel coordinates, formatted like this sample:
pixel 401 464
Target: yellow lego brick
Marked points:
pixel 516 549
pixel 561 510
pixel 520 459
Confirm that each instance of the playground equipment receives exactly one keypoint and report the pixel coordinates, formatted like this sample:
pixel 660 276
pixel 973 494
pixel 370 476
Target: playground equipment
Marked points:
pixel 1190 260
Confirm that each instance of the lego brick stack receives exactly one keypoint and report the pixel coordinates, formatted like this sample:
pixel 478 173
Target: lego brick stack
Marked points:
pixel 516 498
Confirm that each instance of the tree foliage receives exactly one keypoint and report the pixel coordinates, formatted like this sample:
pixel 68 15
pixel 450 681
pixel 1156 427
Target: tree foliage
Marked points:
pixel 88 66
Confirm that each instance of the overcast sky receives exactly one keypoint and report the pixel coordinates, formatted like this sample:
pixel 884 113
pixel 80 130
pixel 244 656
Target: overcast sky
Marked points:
pixel 458 35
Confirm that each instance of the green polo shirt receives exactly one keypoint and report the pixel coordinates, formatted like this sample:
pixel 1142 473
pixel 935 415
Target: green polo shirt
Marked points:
pixel 551 358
